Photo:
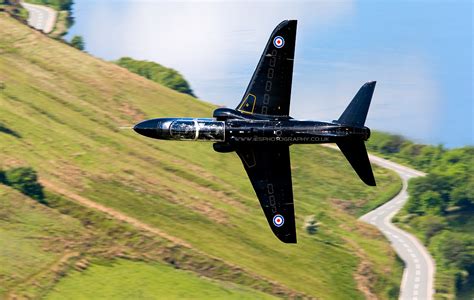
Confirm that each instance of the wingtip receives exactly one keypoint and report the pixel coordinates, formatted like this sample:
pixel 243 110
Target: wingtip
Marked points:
pixel 284 22
pixel 292 241
pixel 370 182
pixel 287 239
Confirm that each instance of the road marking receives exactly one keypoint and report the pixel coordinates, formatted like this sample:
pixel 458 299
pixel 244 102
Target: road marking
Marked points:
pixel 409 250
pixel 417 272
pixel 415 293
pixel 390 209
pixel 417 266
pixel 416 286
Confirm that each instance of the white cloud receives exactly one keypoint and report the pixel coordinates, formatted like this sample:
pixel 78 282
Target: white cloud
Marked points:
pixel 210 42
pixel 216 45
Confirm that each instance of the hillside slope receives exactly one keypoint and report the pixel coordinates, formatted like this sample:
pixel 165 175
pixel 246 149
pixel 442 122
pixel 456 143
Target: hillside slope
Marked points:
pixel 61 112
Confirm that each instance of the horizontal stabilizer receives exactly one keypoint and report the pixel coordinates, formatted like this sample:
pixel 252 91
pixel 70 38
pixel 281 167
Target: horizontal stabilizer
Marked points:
pixel 356 154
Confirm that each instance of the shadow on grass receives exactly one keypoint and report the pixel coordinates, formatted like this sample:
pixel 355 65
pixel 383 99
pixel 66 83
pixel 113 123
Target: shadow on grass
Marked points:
pixel 6 130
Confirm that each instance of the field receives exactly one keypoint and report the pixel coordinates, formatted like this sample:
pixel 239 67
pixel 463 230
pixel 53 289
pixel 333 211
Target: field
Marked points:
pixel 61 111
pixel 149 281
pixel 32 238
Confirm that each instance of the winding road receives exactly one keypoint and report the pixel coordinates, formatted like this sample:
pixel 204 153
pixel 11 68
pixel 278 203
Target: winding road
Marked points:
pixel 418 275
pixel 40 17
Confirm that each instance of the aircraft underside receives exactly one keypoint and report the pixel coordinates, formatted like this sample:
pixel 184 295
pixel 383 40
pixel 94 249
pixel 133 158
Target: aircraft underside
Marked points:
pixel 261 131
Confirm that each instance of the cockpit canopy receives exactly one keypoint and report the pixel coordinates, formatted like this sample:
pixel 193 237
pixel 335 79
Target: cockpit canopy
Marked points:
pixel 197 129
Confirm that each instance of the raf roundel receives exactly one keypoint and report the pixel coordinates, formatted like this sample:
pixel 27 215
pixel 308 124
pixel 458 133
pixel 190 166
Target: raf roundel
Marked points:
pixel 278 41
pixel 278 220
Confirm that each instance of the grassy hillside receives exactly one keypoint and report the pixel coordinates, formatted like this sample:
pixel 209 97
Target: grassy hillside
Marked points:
pixel 33 238
pixel 41 244
pixel 61 112
pixel 151 280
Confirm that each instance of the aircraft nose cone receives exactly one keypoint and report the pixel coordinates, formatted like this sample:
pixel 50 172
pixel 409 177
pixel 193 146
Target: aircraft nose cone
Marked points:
pixel 148 128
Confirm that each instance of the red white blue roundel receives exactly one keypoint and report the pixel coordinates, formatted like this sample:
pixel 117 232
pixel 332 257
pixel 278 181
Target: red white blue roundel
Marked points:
pixel 278 41
pixel 278 220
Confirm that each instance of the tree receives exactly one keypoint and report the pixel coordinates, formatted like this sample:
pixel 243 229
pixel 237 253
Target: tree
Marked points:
pixel 311 225
pixel 430 225
pixel 462 196
pixel 432 202
pixel 456 249
pixel 157 73
pixel 392 145
pixel 78 42
pixel 25 180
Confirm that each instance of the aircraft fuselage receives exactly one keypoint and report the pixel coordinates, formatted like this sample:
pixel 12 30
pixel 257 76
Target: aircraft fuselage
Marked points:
pixel 233 128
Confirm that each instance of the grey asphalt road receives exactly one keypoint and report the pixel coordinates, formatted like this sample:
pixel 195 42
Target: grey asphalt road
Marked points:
pixel 418 275
pixel 40 17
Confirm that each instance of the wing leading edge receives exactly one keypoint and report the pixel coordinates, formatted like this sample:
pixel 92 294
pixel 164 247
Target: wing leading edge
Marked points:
pixel 269 90
pixel 269 170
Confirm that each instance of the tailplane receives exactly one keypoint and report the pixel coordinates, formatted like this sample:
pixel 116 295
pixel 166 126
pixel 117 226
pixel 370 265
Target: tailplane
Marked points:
pixel 356 154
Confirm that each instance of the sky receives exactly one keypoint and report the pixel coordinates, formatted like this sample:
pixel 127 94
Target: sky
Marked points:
pixel 419 52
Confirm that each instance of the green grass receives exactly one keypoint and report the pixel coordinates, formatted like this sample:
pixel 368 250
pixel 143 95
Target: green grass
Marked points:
pixel 32 238
pixel 62 24
pixel 67 108
pixel 137 280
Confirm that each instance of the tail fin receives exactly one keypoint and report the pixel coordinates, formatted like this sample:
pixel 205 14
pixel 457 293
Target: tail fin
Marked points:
pixel 356 113
pixel 354 149
pixel 356 154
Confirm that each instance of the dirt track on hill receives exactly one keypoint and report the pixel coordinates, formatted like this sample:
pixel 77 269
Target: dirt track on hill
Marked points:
pixel 276 288
pixel 113 213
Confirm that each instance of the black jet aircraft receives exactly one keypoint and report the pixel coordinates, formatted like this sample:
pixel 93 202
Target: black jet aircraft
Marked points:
pixel 261 131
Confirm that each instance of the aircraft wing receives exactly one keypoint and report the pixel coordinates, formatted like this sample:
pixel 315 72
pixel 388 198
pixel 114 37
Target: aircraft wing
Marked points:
pixel 269 90
pixel 269 170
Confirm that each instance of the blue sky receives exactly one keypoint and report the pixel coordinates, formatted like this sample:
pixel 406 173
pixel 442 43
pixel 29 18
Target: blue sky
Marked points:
pixel 420 53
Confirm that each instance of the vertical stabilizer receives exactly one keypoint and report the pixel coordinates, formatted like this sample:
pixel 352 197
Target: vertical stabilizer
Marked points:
pixel 356 113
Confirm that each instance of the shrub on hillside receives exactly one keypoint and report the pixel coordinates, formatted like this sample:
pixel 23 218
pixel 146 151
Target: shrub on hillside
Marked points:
pixel 157 73
pixel 57 4
pixel 25 180
pixel 78 42
pixel 311 225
